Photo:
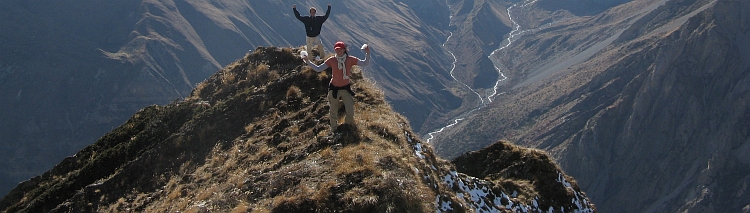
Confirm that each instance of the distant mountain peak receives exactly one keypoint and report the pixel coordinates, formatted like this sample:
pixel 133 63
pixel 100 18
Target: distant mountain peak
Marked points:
pixel 254 137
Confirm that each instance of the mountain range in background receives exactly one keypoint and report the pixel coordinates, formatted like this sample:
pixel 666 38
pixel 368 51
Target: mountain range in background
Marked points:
pixel 644 102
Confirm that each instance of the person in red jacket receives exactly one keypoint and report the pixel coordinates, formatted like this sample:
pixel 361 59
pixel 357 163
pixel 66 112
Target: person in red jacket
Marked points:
pixel 339 89
pixel 312 28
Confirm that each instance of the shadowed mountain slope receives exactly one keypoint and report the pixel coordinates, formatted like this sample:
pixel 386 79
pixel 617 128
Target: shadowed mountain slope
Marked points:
pixel 649 112
pixel 254 137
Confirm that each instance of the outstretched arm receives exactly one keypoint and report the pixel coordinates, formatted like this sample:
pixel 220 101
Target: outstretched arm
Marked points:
pixel 317 68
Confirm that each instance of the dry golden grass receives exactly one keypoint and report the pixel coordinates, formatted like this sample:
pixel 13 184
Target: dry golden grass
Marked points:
pixel 241 208
pixel 355 159
pixel 205 194
pixel 260 210
pixel 198 89
pixel 293 93
pixel 228 78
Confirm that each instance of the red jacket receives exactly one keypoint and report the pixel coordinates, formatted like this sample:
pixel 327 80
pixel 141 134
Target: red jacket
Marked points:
pixel 338 79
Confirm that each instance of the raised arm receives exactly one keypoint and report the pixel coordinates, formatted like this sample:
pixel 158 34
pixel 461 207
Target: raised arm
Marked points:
pixel 328 12
pixel 296 13
pixel 367 58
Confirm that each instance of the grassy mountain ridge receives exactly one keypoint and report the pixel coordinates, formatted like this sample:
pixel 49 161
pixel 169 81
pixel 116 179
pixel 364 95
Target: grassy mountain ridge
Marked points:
pixel 254 137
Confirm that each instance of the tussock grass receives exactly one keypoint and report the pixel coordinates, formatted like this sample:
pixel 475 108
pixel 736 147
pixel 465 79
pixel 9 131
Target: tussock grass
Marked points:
pixel 356 160
pixel 293 93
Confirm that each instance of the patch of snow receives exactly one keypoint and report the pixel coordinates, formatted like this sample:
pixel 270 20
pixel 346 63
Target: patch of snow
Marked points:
pixel 478 194
pixel 418 150
pixel 562 180
pixel 579 200
pixel 443 206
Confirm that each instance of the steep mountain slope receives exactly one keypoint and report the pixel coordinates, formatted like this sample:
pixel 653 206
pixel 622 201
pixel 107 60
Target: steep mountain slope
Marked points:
pixel 648 109
pixel 254 137
pixel 51 82
pixel 73 70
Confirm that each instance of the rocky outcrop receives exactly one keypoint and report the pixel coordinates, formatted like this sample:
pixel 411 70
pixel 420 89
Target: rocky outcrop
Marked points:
pixel 498 165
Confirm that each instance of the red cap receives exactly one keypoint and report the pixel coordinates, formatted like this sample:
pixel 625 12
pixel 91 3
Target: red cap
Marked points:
pixel 339 44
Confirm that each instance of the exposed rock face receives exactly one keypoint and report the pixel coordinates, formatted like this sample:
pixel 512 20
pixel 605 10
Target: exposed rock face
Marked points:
pixel 250 139
pixel 656 121
pixel 673 121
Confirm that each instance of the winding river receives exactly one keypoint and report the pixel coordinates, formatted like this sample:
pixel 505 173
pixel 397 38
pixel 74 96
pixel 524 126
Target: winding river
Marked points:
pixel 489 97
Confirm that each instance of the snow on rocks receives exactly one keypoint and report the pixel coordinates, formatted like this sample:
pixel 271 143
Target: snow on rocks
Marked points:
pixel 417 146
pixel 476 195
pixel 579 201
